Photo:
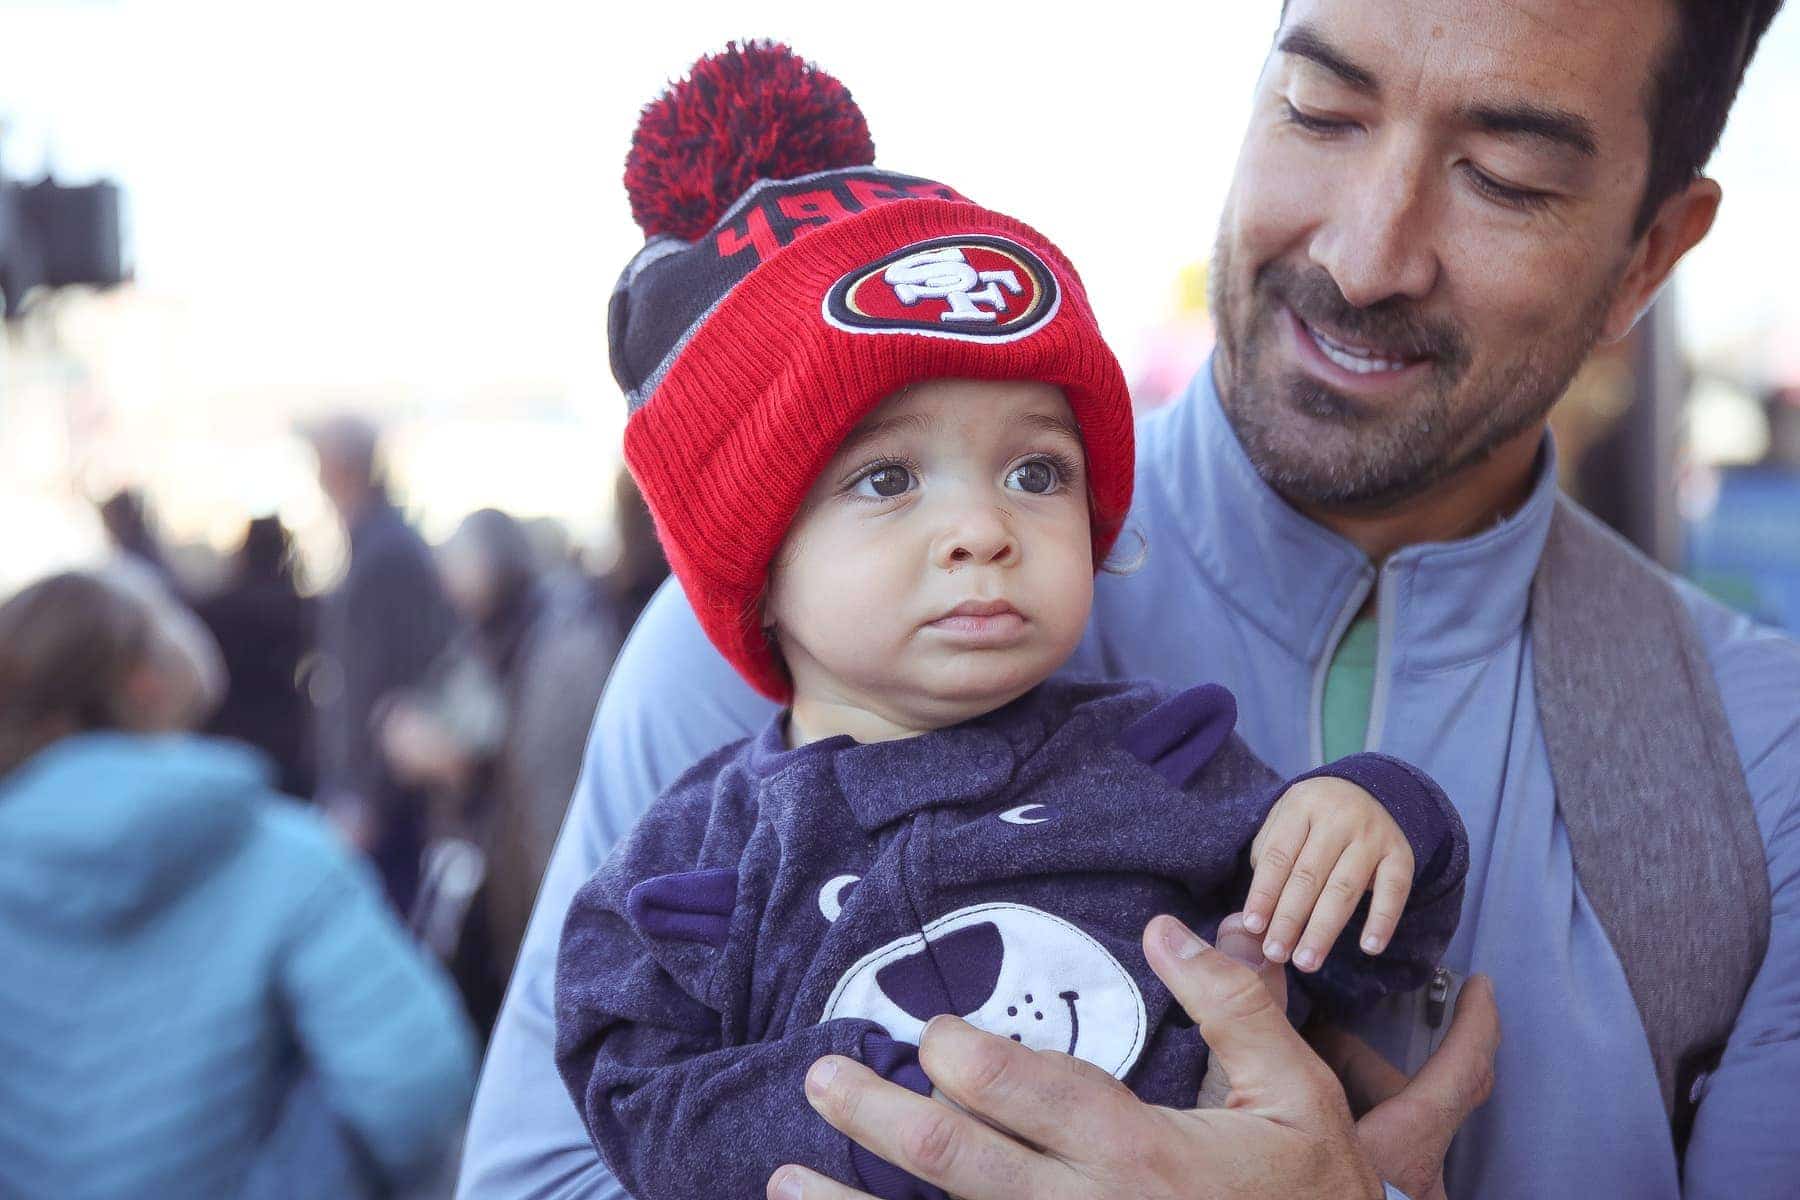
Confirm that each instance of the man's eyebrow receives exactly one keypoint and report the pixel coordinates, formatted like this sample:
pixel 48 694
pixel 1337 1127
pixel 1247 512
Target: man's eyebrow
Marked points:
pixel 1562 128
pixel 1303 41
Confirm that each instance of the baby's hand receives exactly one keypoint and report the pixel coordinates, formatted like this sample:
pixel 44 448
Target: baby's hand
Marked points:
pixel 1324 844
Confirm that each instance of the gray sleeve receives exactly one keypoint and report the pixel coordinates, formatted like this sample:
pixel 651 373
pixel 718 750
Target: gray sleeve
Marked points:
pixel 1746 1138
pixel 670 701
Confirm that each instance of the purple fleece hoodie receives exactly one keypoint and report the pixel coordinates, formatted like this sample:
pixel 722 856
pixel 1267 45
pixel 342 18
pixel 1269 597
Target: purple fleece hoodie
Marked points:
pixel 777 905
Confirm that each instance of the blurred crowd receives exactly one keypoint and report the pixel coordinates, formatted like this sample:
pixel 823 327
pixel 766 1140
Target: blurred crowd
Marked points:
pixel 290 842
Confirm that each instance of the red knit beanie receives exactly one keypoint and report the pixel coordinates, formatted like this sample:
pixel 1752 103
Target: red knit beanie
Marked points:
pixel 787 288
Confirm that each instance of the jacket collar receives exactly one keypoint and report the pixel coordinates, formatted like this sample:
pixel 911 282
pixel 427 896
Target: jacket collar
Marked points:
pixel 883 782
pixel 1300 583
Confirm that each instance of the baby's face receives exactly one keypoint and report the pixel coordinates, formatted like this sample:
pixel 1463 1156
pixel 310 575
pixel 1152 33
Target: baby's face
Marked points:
pixel 942 564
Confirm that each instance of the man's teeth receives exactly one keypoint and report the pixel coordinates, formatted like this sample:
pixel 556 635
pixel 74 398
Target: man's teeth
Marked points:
pixel 1360 362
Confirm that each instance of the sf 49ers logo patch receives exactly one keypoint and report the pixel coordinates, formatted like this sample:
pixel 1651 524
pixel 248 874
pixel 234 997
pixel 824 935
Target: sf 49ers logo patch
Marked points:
pixel 977 288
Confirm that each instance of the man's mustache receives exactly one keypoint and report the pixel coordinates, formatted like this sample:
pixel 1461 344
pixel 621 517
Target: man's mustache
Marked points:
pixel 1390 325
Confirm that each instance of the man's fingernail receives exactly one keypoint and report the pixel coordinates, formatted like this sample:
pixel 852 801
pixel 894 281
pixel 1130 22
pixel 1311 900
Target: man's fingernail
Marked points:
pixel 1241 947
pixel 789 1187
pixel 1307 959
pixel 1254 922
pixel 1372 944
pixel 1274 951
pixel 820 1077
pixel 1181 943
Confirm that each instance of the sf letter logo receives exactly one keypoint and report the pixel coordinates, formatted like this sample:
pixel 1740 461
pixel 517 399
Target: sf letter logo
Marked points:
pixel 968 287
pixel 946 275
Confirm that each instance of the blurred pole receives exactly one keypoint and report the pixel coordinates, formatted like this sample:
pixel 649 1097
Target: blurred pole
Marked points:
pixel 1628 477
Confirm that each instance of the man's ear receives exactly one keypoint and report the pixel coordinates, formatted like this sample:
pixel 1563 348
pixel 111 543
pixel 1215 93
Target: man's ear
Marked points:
pixel 1682 221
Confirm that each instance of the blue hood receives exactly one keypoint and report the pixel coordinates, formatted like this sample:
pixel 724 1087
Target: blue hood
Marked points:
pixel 101 830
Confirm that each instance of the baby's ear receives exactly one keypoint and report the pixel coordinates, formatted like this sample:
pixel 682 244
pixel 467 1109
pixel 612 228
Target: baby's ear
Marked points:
pixel 1180 736
pixel 688 906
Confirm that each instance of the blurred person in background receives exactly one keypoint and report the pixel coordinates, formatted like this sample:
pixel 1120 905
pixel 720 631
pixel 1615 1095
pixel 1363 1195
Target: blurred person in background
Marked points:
pixel 204 995
pixel 125 515
pixel 498 729
pixel 265 629
pixel 379 631
pixel 640 568
pixel 138 564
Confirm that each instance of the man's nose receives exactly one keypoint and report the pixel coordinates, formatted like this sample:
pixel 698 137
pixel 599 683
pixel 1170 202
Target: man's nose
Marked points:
pixel 1380 240
pixel 976 534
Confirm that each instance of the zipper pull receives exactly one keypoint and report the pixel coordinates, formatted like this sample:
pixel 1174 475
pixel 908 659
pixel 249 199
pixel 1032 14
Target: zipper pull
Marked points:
pixel 1435 997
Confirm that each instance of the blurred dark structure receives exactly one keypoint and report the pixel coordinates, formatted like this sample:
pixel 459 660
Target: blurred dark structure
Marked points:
pixel 54 236
pixel 1627 477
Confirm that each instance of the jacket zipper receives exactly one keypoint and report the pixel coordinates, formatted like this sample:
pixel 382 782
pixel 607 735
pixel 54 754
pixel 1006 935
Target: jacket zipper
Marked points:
pixel 1436 996
pixel 1435 999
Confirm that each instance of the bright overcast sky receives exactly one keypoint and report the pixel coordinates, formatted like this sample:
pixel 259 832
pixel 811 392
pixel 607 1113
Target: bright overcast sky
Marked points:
pixel 435 188
pixel 417 208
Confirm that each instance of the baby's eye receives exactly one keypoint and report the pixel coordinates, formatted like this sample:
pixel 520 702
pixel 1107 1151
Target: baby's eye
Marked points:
pixel 1038 476
pixel 885 482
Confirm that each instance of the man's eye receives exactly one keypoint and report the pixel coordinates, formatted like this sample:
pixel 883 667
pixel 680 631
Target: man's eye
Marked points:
pixel 1312 124
pixel 884 483
pixel 1522 199
pixel 1038 476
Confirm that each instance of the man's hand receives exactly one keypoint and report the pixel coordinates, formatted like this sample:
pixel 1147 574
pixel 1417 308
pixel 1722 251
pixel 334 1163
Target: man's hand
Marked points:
pixel 1056 1128
pixel 1406 1125
pixel 419 750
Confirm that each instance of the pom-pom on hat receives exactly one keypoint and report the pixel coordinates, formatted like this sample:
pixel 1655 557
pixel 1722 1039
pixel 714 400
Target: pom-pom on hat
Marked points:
pixel 787 287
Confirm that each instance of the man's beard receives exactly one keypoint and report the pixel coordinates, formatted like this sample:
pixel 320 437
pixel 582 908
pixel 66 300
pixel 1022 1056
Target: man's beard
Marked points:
pixel 1322 449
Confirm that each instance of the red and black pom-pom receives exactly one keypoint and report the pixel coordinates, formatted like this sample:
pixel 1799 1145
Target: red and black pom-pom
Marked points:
pixel 752 111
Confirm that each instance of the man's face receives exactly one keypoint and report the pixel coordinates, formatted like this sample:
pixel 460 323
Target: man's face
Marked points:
pixel 1430 219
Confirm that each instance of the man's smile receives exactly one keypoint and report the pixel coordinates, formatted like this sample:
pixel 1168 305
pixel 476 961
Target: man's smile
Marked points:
pixel 1347 364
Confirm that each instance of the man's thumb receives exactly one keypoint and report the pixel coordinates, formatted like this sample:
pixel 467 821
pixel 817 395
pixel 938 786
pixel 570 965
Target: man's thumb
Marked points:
pixel 1236 942
pixel 1245 1028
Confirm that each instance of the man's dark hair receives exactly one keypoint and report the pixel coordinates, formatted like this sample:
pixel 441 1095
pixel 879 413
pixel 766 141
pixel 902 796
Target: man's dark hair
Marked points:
pixel 1692 90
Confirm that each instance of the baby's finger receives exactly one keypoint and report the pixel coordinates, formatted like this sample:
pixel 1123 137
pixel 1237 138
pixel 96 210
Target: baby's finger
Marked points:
pixel 1343 891
pixel 1393 883
pixel 1311 869
pixel 1282 839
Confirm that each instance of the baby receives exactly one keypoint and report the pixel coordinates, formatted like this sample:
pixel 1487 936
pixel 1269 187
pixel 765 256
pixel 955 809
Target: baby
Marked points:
pixel 887 450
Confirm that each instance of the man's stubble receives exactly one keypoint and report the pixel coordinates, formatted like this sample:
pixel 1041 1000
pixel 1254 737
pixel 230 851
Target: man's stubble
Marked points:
pixel 1314 448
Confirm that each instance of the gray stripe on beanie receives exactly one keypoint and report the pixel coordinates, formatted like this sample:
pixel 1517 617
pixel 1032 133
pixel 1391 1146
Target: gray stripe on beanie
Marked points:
pixel 640 395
